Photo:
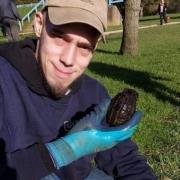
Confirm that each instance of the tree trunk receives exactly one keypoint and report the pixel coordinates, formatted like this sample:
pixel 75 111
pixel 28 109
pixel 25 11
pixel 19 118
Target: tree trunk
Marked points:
pixel 129 44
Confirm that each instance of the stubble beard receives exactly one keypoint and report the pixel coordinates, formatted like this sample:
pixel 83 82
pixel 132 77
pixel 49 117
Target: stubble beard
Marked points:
pixel 53 90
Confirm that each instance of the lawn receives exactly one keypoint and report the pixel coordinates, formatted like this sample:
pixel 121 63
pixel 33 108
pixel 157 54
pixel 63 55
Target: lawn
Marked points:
pixel 23 11
pixel 149 20
pixel 154 74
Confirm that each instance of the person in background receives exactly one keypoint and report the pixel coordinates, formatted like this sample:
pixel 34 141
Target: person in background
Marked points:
pixel 52 115
pixel 162 10
pixel 8 19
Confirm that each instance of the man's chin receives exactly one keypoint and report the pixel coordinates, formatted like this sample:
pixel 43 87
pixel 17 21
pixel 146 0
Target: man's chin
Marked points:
pixel 54 91
pixel 58 93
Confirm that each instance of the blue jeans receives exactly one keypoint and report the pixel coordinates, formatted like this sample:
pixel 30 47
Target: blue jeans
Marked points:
pixel 97 174
pixel 162 18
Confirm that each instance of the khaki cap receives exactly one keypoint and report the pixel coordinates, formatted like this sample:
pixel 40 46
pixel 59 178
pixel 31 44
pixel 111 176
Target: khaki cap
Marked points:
pixel 91 12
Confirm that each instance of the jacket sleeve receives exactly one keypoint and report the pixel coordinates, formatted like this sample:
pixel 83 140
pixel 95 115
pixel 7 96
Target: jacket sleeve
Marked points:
pixel 14 10
pixel 124 163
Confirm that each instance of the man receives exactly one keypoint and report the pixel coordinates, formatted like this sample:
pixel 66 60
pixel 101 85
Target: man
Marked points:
pixel 8 19
pixel 162 10
pixel 51 114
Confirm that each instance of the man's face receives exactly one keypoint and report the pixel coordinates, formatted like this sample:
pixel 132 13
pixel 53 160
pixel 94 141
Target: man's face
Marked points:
pixel 64 52
pixel 162 1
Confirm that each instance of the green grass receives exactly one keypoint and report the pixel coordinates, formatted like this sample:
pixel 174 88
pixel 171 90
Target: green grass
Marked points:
pixel 23 11
pixel 149 20
pixel 155 75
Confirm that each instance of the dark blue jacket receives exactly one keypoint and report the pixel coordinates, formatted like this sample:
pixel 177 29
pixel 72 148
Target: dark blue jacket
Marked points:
pixel 8 9
pixel 29 116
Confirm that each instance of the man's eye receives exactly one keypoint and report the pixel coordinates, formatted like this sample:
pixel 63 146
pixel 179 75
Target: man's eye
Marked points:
pixel 58 39
pixel 85 50
pixel 56 35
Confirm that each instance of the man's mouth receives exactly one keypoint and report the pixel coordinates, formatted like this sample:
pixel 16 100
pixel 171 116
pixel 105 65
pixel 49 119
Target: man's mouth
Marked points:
pixel 62 73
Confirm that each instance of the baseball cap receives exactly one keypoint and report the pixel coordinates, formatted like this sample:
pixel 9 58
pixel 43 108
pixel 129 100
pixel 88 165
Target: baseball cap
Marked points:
pixel 91 12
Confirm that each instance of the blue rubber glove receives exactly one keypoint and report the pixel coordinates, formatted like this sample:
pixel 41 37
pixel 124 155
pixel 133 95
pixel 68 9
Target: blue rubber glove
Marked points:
pixel 90 135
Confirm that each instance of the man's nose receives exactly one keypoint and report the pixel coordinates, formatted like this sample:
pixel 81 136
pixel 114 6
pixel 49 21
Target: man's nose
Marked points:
pixel 69 54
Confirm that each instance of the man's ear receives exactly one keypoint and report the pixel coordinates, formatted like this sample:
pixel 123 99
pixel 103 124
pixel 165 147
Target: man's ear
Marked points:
pixel 38 23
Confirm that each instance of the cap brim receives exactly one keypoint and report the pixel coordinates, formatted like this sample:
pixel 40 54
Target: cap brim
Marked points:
pixel 61 16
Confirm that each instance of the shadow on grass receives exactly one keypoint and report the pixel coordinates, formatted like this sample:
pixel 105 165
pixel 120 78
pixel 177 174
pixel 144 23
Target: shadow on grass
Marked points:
pixel 157 18
pixel 143 80
pixel 107 52
pixel 176 17
pixel 149 19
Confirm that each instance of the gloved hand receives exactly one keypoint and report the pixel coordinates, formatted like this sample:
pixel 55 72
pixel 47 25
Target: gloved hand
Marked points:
pixel 90 135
